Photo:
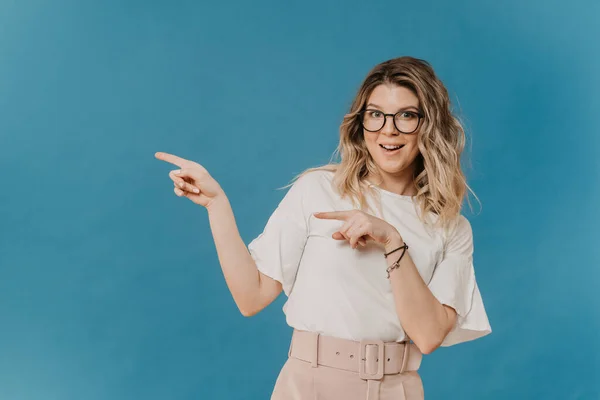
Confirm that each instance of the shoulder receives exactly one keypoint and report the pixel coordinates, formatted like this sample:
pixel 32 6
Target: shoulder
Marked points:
pixel 460 234
pixel 312 179
pixel 463 226
pixel 310 190
pixel 302 188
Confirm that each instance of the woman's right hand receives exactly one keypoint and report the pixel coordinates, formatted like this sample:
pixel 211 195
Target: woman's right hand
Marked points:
pixel 192 180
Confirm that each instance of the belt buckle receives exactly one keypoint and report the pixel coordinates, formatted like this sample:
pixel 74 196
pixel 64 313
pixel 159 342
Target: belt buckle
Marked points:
pixel 363 359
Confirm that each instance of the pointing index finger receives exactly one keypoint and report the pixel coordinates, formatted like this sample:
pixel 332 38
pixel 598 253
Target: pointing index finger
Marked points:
pixel 170 158
pixel 342 215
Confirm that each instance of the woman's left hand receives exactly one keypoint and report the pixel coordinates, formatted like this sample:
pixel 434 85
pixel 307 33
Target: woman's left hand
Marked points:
pixel 360 227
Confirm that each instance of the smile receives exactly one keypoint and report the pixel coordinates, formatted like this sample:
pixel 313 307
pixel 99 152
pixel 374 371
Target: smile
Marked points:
pixel 391 150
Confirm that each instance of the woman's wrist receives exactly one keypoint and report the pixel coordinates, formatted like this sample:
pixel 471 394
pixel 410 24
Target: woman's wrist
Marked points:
pixel 394 241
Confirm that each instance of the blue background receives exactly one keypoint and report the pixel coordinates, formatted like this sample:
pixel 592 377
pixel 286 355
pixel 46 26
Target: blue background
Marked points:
pixel 110 287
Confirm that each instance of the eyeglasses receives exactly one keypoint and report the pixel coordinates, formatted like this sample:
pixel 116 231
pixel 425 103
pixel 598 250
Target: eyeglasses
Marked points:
pixel 404 121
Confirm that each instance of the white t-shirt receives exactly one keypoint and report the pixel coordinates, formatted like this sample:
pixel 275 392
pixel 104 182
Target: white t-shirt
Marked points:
pixel 343 292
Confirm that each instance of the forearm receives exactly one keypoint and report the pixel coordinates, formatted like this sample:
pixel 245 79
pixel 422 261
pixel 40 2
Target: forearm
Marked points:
pixel 423 317
pixel 239 269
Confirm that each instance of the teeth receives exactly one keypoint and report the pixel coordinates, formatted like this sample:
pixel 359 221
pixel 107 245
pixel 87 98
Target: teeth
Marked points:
pixel 390 147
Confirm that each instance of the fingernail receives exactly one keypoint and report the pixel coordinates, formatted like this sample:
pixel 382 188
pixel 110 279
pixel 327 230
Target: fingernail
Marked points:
pixel 177 171
pixel 181 184
pixel 196 190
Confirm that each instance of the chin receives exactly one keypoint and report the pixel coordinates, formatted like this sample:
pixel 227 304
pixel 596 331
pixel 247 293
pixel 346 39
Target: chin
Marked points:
pixel 392 167
pixel 395 169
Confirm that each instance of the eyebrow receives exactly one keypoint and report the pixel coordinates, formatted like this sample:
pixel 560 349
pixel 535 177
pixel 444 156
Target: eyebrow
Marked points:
pixel 401 109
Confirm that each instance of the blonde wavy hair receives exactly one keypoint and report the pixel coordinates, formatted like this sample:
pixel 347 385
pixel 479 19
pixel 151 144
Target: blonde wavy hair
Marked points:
pixel 440 183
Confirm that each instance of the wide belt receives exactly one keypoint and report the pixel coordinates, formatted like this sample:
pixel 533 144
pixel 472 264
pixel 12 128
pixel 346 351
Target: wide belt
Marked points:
pixel 372 359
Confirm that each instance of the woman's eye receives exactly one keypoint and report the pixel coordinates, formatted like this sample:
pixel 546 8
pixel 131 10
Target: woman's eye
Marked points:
pixel 375 114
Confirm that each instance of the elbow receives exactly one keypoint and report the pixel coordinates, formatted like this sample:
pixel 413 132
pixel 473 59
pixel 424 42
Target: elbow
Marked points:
pixel 247 312
pixel 428 347
pixel 246 306
pixel 431 340
pixel 427 344
pixel 250 310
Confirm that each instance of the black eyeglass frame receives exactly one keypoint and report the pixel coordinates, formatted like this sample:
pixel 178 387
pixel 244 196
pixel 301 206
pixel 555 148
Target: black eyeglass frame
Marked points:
pixel 418 114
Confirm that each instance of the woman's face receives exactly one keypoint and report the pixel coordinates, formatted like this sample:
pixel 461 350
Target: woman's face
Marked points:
pixel 390 99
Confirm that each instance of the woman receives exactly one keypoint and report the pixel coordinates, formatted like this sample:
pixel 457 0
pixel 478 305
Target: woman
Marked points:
pixel 373 252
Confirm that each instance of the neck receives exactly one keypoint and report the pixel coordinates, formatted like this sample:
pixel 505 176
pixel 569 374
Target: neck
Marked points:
pixel 402 184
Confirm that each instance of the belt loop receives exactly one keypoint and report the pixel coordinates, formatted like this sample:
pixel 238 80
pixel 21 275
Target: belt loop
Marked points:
pixel 314 362
pixel 291 344
pixel 405 356
pixel 373 389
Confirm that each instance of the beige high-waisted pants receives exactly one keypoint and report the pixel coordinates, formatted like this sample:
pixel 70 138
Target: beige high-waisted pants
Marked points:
pixel 327 368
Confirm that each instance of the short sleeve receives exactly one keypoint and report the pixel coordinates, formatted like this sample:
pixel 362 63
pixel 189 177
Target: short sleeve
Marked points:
pixel 453 283
pixel 278 250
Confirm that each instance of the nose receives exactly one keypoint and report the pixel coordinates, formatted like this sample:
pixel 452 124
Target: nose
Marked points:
pixel 389 127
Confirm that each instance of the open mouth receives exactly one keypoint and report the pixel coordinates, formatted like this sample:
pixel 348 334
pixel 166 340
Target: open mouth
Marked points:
pixel 391 149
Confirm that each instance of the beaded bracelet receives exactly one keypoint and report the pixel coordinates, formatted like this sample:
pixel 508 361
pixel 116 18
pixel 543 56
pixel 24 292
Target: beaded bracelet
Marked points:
pixel 397 263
